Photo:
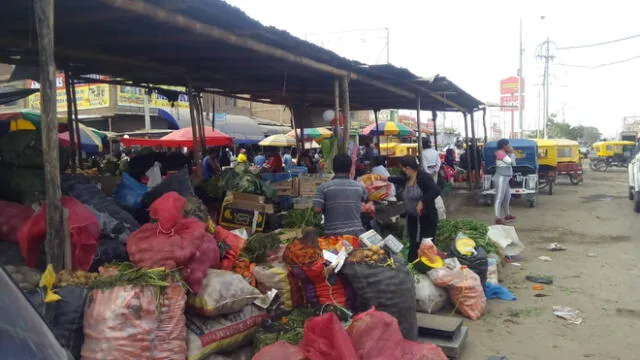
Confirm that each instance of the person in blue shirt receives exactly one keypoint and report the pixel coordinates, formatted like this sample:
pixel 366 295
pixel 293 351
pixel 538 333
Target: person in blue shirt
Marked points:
pixel 287 159
pixel 211 164
pixel 259 160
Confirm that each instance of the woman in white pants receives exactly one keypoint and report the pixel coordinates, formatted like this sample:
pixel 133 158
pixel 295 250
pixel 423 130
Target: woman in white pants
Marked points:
pixel 505 160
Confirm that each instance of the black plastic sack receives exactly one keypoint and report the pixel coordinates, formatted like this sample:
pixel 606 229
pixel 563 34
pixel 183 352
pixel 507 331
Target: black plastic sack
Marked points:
pixel 36 298
pixel 389 289
pixel 109 250
pixel 87 192
pixel 179 182
pixel 65 317
pixel 477 263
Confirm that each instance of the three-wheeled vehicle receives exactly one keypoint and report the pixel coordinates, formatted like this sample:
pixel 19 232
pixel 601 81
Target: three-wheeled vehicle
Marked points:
pixel 547 163
pixel 611 154
pixel 524 182
pixel 569 160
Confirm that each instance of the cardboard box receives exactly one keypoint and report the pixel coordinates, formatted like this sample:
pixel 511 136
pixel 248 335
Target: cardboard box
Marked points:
pixel 286 188
pixel 245 210
pixel 309 183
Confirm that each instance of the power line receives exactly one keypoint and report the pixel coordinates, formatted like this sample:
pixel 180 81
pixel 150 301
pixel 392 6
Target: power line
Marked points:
pixel 602 65
pixel 598 44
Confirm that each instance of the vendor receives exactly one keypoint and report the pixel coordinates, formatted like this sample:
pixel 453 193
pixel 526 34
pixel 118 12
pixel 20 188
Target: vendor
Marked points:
pixel 420 193
pixel 211 164
pixel 274 164
pixel 339 200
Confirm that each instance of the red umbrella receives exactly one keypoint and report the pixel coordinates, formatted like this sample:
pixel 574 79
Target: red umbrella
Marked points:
pixel 182 138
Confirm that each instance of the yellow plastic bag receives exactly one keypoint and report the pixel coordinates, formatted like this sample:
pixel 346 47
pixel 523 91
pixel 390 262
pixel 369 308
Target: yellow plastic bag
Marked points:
pixel 47 280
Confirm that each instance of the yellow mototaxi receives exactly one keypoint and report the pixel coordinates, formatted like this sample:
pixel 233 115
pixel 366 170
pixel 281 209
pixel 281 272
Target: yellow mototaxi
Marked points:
pixel 611 154
pixel 547 164
pixel 569 160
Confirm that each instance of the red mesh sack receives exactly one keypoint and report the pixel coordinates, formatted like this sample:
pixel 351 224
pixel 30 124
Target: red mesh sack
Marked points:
pixel 207 257
pixel 12 216
pixel 376 336
pixel 170 338
pixel 234 241
pixel 167 210
pixel 84 231
pixel 325 338
pixel 279 350
pixel 465 290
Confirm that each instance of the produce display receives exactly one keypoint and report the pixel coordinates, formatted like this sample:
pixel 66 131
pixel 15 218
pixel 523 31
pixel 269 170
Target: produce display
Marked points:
pixel 449 229
pixel 299 218
pixel 373 255
pixel 242 179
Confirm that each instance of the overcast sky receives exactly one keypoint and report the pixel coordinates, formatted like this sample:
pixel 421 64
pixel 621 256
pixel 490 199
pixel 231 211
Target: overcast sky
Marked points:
pixel 475 44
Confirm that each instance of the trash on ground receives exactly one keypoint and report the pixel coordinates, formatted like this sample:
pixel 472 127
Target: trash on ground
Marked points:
pixel 516 264
pixel 541 295
pixel 506 238
pixel 545 258
pixel 496 357
pixel 540 279
pixel 538 287
pixel 567 313
pixel 556 247
pixel 495 291
pixel 592 254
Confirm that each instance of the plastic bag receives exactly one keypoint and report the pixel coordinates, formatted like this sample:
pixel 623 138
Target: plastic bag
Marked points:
pixel 234 241
pixel 280 351
pixel 326 338
pixel 389 289
pixel 376 188
pixel 84 231
pixel 477 260
pixel 179 182
pixel 275 277
pixel 376 336
pixel 12 216
pixel 154 175
pixel 317 288
pixel 129 192
pixel 119 323
pixel 170 338
pixel 222 292
pixel 167 210
pixel 66 317
pixel 506 238
pixel 429 297
pixel 465 290
pixel 207 336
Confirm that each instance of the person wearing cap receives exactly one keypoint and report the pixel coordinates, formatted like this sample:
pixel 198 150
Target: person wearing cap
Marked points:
pixel 242 157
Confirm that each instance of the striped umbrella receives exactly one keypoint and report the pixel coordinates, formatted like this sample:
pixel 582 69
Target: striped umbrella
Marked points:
pixel 387 128
pixel 90 140
pixel 317 134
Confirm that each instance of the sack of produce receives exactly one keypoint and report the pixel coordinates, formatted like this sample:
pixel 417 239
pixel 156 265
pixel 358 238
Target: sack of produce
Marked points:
pixel 280 351
pixel 429 297
pixel 245 353
pixel 465 290
pixel 274 276
pixel 376 336
pixel 129 192
pixel 173 241
pixel 377 189
pixel 12 216
pixel 87 192
pixel 84 231
pixel 222 292
pixel 65 317
pixel 236 245
pixel 222 334
pixel 384 281
pixel 170 339
pixel 120 322
pixel 179 182
pixel 471 255
pixel 326 338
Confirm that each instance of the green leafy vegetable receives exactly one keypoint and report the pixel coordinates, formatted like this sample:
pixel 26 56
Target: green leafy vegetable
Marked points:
pixel 259 245
pixel 449 229
pixel 299 218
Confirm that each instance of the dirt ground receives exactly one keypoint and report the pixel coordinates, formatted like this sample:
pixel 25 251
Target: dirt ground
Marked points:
pixel 598 275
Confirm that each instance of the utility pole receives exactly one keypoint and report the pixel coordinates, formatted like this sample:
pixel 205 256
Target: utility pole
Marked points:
pixel 388 46
pixel 545 53
pixel 520 82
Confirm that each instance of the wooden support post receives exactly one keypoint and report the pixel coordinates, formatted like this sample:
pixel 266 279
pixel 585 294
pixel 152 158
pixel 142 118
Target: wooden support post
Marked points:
pixel 55 244
pixel 200 118
pixel 484 123
pixel 72 133
pixel 418 108
pixel 466 143
pixel 76 126
pixel 375 117
pixel 194 126
pixel 213 112
pixel 474 147
pixel 347 111
pixel 434 115
pixel 336 103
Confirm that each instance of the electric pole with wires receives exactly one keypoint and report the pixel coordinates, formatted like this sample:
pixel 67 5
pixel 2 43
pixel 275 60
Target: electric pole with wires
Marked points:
pixel 544 52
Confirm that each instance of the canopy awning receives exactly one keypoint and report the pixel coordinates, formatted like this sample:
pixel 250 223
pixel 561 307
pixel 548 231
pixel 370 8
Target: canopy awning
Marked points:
pixel 9 95
pixel 243 129
pixel 181 138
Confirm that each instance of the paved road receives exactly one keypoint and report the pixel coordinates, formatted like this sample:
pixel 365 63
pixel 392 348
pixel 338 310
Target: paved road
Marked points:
pixel 598 274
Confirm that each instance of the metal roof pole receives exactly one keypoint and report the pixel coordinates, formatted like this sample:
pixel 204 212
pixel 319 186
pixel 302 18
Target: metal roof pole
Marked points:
pixel 57 237
pixel 434 115
pixel 484 123
pixel 375 117
pixel 347 113
pixel 76 128
pixel 466 143
pixel 474 147
pixel 72 134
pixel 336 125
pixel 194 132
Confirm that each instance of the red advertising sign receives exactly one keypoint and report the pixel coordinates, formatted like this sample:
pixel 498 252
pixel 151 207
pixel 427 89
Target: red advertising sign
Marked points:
pixel 510 102
pixel 510 85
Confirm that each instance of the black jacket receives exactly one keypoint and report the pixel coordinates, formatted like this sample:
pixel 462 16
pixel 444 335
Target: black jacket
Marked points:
pixel 430 191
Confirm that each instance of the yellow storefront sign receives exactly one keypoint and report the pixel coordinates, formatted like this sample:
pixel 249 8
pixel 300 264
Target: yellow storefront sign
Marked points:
pixel 88 96
pixel 133 96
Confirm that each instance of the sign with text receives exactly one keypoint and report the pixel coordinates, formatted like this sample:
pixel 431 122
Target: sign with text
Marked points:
pixel 134 96
pixel 88 96
pixel 510 85
pixel 509 100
